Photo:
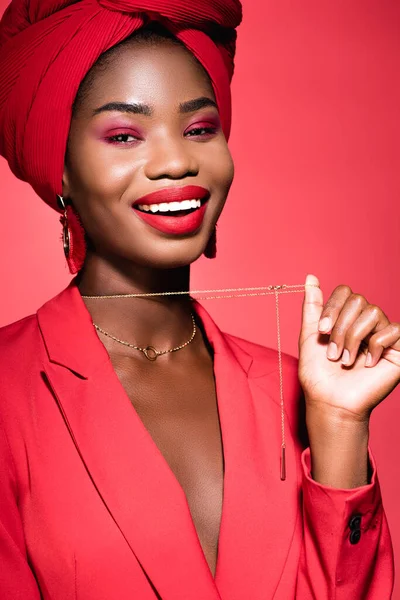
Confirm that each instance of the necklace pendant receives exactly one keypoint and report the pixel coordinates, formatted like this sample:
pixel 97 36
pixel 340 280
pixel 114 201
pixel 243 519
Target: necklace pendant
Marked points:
pixel 150 353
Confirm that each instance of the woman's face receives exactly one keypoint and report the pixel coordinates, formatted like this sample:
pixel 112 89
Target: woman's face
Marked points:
pixel 166 138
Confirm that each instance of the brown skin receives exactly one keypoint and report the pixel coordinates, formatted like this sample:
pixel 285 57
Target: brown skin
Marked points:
pixel 175 396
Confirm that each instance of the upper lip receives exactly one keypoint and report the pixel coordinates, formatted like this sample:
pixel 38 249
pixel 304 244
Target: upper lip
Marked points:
pixel 174 194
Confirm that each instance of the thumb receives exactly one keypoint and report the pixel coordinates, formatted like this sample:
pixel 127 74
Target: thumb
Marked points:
pixel 313 305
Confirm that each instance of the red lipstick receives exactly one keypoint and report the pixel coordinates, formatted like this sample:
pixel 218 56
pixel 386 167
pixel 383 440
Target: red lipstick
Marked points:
pixel 174 210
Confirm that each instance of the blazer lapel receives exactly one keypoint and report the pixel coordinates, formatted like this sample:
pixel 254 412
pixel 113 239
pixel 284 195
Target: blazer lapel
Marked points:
pixel 131 476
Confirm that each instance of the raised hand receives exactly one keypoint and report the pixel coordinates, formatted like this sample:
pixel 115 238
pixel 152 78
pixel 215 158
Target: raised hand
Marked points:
pixel 341 384
pixel 335 341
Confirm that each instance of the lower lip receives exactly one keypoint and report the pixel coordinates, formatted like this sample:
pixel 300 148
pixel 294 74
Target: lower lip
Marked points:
pixel 175 225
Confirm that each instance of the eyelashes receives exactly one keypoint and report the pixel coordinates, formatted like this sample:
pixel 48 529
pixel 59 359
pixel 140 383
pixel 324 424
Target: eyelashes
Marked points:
pixel 122 138
pixel 206 130
pixel 114 138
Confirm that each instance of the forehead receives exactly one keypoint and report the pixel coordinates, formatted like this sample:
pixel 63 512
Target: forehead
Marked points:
pixel 163 75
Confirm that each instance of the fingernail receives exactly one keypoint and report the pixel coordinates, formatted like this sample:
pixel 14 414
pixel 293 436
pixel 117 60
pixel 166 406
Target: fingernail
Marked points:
pixel 325 324
pixel 345 357
pixel 332 350
pixel 368 362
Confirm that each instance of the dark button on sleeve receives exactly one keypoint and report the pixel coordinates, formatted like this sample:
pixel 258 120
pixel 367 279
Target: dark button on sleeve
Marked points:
pixel 355 536
pixel 355 522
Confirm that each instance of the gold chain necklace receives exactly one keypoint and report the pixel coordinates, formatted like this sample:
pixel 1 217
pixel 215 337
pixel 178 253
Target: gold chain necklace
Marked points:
pixel 236 293
pixel 150 352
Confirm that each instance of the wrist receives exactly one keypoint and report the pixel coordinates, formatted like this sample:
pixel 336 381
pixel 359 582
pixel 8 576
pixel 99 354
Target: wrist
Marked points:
pixel 333 419
pixel 338 447
pixel 336 414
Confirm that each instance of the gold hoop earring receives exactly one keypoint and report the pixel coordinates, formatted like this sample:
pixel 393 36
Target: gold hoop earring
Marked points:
pixel 73 236
pixel 64 221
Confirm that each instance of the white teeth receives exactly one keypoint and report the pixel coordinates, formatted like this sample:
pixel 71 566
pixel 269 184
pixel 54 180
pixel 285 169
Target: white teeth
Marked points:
pixel 186 204
pixel 170 206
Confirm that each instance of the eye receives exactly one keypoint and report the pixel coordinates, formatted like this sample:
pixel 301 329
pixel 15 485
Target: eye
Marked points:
pixel 201 131
pixel 121 138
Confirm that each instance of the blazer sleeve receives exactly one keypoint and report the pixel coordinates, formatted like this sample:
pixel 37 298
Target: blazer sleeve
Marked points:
pixel 347 550
pixel 16 578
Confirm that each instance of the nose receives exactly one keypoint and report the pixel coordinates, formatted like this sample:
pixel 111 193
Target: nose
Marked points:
pixel 171 159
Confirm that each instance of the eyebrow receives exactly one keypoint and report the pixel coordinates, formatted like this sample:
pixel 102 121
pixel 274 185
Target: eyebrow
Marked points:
pixel 145 109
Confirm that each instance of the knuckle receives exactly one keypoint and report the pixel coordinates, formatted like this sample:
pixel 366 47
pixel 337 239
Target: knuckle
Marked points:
pixel 359 299
pixel 374 309
pixel 374 343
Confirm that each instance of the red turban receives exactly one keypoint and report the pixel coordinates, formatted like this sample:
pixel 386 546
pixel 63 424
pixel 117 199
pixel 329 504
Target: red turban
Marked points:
pixel 48 46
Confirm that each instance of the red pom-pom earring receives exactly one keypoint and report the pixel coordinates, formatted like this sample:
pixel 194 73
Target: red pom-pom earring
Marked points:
pixel 211 248
pixel 73 237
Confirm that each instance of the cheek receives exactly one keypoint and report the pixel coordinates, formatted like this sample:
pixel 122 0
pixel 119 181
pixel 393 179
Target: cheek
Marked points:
pixel 217 162
pixel 225 170
pixel 100 170
pixel 229 167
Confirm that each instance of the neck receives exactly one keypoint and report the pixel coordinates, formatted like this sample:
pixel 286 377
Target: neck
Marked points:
pixel 162 321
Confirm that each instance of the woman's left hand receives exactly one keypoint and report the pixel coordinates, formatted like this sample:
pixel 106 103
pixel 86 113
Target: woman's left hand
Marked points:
pixel 353 389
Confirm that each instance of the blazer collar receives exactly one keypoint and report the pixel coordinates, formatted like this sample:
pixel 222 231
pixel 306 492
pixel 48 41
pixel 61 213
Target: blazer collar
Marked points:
pixel 71 339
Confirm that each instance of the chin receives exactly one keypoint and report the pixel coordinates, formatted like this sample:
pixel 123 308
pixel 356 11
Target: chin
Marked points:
pixel 174 255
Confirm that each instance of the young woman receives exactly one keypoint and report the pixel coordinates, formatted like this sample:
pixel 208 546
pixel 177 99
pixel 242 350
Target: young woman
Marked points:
pixel 140 445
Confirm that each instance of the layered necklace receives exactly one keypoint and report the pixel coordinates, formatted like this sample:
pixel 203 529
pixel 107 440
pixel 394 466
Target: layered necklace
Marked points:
pixel 152 353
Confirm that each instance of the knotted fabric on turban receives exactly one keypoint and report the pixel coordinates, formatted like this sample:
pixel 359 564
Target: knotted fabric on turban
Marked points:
pixel 48 46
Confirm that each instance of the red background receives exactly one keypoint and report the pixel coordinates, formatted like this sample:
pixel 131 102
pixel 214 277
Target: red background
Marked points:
pixel 315 139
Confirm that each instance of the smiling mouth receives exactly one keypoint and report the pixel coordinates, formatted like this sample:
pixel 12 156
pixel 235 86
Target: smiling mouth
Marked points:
pixel 172 209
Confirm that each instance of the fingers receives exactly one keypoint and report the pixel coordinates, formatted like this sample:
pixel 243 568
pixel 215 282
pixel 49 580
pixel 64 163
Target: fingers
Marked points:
pixel 354 323
pixel 387 337
pixel 348 331
pixel 370 320
pixel 333 307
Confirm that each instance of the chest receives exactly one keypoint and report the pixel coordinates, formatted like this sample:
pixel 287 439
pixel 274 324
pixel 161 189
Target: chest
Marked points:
pixel 179 409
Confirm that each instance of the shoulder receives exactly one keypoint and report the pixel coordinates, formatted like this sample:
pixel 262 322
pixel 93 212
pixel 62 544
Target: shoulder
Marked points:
pixel 14 330
pixel 18 332
pixel 19 345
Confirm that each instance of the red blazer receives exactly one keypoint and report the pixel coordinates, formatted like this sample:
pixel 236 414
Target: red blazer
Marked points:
pixel 90 510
